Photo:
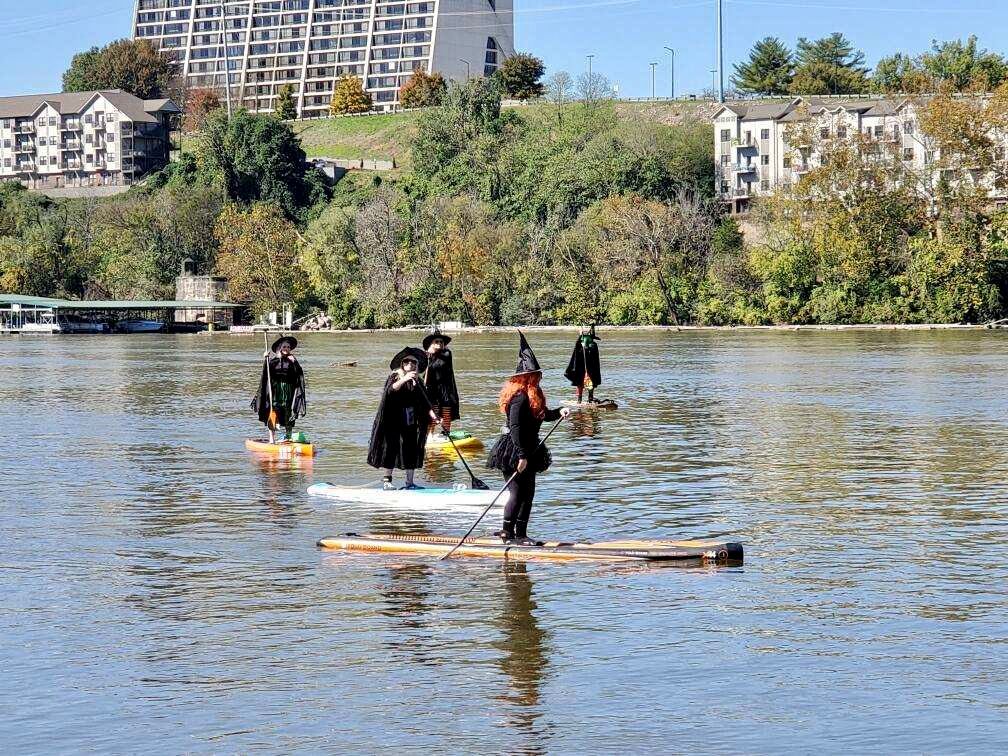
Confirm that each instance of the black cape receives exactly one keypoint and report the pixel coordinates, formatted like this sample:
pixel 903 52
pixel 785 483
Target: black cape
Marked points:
pixel 282 371
pixel 576 368
pixel 399 433
pixel 440 382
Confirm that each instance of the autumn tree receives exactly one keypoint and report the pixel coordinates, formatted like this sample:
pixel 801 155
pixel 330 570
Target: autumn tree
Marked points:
pixel 768 71
pixel 258 255
pixel 423 90
pixel 200 103
pixel 349 97
pixel 521 77
pixel 134 66
pixel 286 108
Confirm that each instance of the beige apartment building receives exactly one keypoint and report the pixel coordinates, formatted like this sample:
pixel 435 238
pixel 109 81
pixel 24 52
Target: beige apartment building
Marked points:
pixel 753 157
pixel 79 139
pixel 260 46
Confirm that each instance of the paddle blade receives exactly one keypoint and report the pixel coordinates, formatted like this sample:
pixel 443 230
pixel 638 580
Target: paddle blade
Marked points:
pixel 479 484
pixel 272 419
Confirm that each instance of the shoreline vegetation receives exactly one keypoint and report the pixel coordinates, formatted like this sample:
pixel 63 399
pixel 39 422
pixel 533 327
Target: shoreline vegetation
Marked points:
pixel 561 213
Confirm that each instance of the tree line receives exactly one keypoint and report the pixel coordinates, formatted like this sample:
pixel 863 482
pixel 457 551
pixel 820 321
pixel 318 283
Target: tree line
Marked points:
pixel 832 65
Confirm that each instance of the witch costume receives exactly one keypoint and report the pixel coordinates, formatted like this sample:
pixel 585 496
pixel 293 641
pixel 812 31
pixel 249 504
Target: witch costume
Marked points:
pixel 399 433
pixel 286 378
pixel 439 378
pixel 518 441
pixel 584 370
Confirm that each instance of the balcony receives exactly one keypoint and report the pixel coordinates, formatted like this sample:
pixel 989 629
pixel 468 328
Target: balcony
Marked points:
pixel 24 147
pixel 25 128
pixel 740 192
pixel 71 165
pixel 71 126
pixel 744 167
pixel 742 144
pixel 24 166
pixel 71 146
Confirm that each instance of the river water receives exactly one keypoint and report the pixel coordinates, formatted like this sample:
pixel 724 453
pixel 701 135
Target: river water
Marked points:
pixel 160 588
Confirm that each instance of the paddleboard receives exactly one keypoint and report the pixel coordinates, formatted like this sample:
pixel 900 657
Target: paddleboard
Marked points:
pixel 597 406
pixel 680 553
pixel 419 499
pixel 463 442
pixel 282 450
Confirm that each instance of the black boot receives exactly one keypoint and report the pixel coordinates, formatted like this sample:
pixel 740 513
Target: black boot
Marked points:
pixel 507 533
pixel 521 535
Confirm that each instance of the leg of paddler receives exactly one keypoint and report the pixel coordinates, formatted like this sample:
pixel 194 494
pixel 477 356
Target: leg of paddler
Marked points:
pixel 387 479
pixel 507 531
pixel 527 486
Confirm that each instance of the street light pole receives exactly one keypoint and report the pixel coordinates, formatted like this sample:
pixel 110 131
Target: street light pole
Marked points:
pixel 713 83
pixel 720 54
pixel 671 72
pixel 468 68
pixel 590 66
pixel 653 66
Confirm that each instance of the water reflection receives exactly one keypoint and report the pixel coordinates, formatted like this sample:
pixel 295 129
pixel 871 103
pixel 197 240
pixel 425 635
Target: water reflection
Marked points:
pixel 524 659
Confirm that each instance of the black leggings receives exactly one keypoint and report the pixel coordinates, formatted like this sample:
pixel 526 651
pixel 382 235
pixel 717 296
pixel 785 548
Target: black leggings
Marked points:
pixel 519 507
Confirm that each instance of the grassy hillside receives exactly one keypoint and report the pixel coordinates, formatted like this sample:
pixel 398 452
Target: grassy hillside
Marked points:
pixel 382 136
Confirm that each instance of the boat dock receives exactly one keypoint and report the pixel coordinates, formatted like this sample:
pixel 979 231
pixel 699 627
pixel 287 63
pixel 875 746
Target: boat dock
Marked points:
pixel 21 314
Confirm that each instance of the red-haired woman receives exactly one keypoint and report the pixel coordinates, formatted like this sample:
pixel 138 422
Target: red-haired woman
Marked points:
pixel 518 452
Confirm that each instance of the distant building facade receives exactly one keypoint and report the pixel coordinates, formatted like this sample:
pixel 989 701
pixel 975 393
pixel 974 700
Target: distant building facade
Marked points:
pixel 308 44
pixel 754 158
pixel 80 139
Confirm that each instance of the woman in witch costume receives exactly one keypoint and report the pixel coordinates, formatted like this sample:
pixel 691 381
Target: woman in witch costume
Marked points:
pixel 439 378
pixel 583 370
pixel 286 378
pixel 399 434
pixel 518 453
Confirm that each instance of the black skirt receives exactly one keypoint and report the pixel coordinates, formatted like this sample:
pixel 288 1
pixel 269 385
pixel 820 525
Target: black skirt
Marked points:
pixel 504 456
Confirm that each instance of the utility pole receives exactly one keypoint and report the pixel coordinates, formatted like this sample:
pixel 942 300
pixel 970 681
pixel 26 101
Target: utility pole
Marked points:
pixel 590 66
pixel 227 59
pixel 713 83
pixel 653 66
pixel 468 68
pixel 671 72
pixel 720 54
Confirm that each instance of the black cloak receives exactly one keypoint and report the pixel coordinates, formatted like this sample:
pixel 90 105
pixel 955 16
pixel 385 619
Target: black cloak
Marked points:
pixel 399 434
pixel 440 382
pixel 576 368
pixel 282 371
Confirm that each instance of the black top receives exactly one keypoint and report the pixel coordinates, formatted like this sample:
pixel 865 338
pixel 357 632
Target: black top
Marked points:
pixel 524 426
pixel 399 433
pixel 440 382
pixel 584 360
pixel 287 371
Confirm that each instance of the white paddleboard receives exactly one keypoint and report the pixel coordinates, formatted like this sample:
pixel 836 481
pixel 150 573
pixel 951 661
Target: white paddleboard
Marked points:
pixel 419 499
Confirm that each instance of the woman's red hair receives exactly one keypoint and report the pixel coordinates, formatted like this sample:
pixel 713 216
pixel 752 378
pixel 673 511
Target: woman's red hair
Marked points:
pixel 530 385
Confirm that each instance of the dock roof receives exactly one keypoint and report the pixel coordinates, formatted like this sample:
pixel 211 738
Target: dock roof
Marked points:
pixel 111 304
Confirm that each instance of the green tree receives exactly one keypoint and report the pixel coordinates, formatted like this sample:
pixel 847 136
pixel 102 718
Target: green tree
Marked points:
pixel 961 65
pixel 259 257
pixel 521 77
pixel 134 66
pixel 423 90
pixel 829 65
pixel 893 74
pixel 349 97
pixel 286 108
pixel 768 71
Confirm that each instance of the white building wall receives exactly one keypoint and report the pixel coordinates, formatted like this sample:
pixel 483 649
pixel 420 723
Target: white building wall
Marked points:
pixel 456 40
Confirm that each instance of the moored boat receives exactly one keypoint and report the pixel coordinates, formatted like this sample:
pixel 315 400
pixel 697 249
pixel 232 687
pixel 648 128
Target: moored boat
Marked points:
pixel 690 553
pixel 138 325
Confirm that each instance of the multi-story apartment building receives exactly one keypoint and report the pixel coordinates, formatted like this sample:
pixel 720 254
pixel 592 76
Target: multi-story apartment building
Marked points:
pixel 753 155
pixel 83 138
pixel 307 44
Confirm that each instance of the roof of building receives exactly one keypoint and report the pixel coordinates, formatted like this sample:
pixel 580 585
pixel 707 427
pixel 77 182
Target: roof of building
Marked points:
pixel 108 304
pixel 791 110
pixel 74 102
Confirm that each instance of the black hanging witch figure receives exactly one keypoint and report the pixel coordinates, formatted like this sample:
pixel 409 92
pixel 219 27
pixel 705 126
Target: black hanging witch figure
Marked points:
pixel 286 378
pixel 584 370
pixel 399 434
pixel 439 378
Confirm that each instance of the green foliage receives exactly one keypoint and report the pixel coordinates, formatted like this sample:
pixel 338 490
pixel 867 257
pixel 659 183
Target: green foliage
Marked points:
pixel 830 65
pixel 768 71
pixel 135 66
pixel 961 65
pixel 892 74
pixel 286 108
pixel 521 77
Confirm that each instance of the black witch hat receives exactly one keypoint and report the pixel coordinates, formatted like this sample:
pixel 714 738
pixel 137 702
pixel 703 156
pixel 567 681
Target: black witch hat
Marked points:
pixel 435 334
pixel 289 339
pixel 527 362
pixel 417 354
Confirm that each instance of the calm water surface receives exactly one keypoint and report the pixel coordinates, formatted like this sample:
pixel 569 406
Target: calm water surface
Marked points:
pixel 160 590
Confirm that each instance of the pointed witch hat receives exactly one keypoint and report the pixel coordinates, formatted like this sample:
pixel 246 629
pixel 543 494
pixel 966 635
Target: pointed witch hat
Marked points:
pixel 527 362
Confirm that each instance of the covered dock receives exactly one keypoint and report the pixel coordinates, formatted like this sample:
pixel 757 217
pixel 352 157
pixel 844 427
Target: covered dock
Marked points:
pixel 25 314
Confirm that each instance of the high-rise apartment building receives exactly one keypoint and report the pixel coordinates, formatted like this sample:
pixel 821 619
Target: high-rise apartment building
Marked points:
pixel 264 45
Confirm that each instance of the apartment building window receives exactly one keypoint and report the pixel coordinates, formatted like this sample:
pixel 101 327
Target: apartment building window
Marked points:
pixel 787 161
pixel 896 130
pixel 725 159
pixel 88 119
pixel 764 159
pixel 764 134
pixel 908 127
pixel 765 185
pixel 6 144
pixel 879 131
pixel 110 137
pixel 52 121
pixel 841 132
pixel 824 132
pixel 908 153
pixel 7 162
pixel 725 135
pixel 748 137
pixel 724 187
pixel 88 158
pixel 928 157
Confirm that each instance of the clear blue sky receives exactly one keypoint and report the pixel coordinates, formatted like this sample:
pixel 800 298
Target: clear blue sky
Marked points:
pixel 39 37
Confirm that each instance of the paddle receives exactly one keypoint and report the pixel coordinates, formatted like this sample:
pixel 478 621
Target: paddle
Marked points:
pixel 490 505
pixel 474 481
pixel 271 420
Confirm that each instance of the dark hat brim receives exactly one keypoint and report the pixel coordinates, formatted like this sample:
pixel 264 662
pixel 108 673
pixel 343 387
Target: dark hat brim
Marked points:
pixel 417 354
pixel 289 339
pixel 526 372
pixel 430 338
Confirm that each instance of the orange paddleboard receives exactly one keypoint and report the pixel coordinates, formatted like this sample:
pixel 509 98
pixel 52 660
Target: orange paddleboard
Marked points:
pixel 282 450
